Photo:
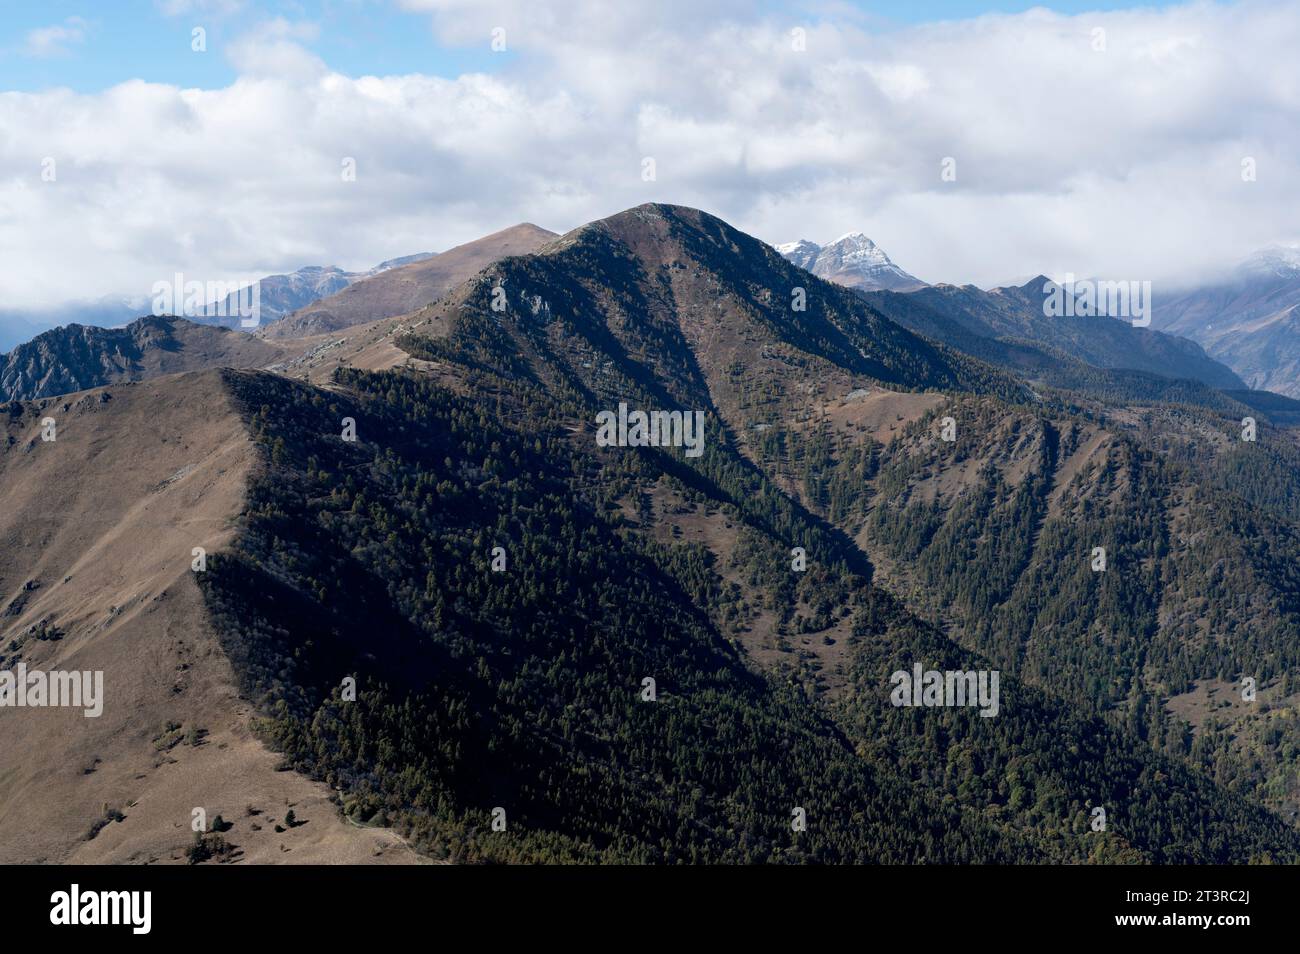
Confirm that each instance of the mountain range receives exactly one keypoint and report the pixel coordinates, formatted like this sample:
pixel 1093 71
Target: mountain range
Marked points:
pixel 1005 325
pixel 467 629
pixel 282 295
pixel 278 295
pixel 1250 321
pixel 310 301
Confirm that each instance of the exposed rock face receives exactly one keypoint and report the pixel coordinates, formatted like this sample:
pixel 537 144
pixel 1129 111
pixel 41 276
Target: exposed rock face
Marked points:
pixel 76 357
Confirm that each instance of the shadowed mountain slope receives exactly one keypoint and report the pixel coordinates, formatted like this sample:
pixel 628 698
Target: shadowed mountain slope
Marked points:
pixel 967 318
pixel 679 301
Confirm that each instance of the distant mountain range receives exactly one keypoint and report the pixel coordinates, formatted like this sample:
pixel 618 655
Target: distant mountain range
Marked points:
pixel 1007 326
pixel 279 295
pixel 74 357
pixel 1250 322
pixel 1237 334
pixel 282 295
pixel 417 282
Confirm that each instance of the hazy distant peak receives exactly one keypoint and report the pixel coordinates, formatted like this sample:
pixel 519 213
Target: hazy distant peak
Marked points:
pixel 1280 260
pixel 399 262
pixel 854 260
pixel 855 249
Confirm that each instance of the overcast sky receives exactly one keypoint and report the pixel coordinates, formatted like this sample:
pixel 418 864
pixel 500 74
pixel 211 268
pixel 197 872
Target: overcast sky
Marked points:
pixel 1099 143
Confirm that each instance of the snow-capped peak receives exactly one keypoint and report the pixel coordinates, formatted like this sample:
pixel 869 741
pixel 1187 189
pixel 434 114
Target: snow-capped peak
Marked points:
pixel 1280 260
pixel 801 253
pixel 856 238
pixel 855 248
pixel 853 259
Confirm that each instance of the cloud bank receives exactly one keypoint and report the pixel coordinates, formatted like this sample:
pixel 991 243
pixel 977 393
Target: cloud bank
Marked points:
pixel 1113 143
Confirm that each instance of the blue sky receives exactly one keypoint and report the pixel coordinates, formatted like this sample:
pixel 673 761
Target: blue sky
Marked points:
pixel 136 39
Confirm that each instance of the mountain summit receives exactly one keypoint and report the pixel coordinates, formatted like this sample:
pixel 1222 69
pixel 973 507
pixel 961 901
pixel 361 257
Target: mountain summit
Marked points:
pixel 1278 261
pixel 852 260
pixel 676 299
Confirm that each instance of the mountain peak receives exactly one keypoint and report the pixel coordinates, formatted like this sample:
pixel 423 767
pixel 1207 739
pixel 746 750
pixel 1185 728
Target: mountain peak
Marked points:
pixel 854 260
pixel 802 253
pixel 1038 284
pixel 644 224
pixel 1282 261
pixel 860 239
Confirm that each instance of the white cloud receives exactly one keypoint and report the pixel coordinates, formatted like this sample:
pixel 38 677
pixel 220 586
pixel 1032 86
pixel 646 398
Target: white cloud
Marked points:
pixel 275 48
pixel 175 8
pixel 55 40
pixel 1124 162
